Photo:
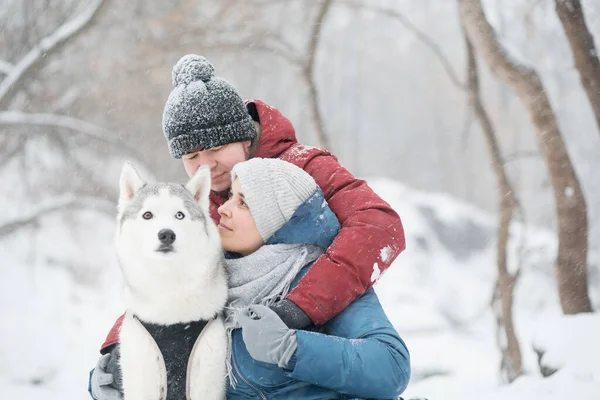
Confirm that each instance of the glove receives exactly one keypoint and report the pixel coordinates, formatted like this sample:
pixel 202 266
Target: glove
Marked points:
pixel 106 380
pixel 267 338
pixel 291 314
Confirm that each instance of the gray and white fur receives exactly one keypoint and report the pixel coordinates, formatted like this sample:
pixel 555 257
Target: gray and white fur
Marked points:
pixel 171 259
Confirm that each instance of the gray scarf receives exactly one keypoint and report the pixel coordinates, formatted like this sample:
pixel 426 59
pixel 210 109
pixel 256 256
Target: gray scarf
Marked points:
pixel 263 277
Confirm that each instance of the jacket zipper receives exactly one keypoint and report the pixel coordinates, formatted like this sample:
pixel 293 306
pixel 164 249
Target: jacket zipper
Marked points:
pixel 235 366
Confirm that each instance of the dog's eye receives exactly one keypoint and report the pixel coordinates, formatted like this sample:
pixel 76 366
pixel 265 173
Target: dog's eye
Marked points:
pixel 147 215
pixel 180 215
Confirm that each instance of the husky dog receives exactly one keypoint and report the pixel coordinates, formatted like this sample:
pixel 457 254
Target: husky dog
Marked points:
pixel 173 342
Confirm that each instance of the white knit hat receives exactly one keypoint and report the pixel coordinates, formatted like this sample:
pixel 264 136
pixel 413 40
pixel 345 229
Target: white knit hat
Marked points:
pixel 273 190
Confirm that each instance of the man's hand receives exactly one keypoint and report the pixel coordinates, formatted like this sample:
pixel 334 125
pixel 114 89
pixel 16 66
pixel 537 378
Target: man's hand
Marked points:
pixel 267 338
pixel 105 381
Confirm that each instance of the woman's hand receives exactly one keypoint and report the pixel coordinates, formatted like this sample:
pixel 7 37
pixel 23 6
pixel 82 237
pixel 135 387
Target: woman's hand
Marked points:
pixel 267 337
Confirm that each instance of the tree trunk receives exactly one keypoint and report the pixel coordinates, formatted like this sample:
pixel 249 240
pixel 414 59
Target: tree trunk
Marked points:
pixel 512 365
pixel 308 73
pixel 571 211
pixel 584 51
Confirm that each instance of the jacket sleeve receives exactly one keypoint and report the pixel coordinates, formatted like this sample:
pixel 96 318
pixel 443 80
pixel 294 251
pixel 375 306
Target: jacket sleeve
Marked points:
pixel 360 354
pixel 90 384
pixel 370 239
pixel 113 336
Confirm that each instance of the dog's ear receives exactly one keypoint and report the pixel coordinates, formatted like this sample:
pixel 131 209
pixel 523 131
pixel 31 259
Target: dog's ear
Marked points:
pixel 129 183
pixel 199 186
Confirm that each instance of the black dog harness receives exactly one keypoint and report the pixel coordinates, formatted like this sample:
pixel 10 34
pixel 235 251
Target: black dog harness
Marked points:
pixel 176 343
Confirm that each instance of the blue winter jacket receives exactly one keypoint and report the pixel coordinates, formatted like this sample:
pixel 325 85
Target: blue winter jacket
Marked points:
pixel 357 354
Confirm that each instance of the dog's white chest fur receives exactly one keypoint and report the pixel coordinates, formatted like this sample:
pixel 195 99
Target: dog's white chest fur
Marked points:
pixel 144 372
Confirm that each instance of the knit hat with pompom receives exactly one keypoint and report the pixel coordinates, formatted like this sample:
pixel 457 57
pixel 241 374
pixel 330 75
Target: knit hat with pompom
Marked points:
pixel 203 111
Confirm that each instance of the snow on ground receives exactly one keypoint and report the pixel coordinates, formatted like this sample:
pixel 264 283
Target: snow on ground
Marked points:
pixel 568 349
pixel 59 295
pixel 437 293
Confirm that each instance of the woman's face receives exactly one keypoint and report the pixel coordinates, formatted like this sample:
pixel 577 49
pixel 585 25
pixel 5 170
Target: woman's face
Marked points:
pixel 237 228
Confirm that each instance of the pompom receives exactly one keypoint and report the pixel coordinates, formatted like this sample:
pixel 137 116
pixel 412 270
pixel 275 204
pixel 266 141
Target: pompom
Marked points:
pixel 191 68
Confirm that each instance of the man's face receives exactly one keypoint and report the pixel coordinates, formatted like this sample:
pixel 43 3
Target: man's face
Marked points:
pixel 220 160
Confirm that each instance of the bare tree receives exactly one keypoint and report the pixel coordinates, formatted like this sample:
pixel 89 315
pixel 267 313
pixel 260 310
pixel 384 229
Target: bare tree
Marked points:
pixel 584 50
pixel 571 211
pixel 29 125
pixel 309 74
pixel 502 304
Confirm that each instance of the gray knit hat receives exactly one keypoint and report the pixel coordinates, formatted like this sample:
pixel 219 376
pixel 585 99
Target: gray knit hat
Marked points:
pixel 273 190
pixel 203 109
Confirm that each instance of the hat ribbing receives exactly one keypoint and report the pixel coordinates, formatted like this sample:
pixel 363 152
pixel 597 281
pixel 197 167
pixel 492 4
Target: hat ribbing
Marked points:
pixel 273 190
pixel 203 110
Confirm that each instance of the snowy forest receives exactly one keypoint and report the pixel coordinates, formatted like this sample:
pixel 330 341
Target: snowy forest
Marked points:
pixel 478 121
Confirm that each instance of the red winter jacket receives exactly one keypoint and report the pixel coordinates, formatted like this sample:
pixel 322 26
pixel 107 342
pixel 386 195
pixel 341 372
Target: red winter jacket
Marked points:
pixel 371 236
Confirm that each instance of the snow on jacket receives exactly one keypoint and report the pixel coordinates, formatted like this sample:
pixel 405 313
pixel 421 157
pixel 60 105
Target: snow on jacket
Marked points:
pixel 371 236
pixel 358 353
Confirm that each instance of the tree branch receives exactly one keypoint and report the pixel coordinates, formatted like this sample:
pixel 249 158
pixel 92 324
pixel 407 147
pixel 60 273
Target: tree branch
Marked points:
pixel 286 47
pixel 6 67
pixel 252 45
pixel 570 13
pixel 419 34
pixel 75 124
pixel 6 157
pixel 503 303
pixel 520 155
pixel 528 14
pixel 65 202
pixel 308 73
pixel 59 121
pixel 50 43
pixel 93 186
pixel 571 209
pixel 270 2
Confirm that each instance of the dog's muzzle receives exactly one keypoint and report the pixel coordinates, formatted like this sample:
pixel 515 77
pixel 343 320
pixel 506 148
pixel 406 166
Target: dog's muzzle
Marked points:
pixel 167 238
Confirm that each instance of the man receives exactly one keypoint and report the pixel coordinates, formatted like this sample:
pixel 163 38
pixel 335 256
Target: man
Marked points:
pixel 206 122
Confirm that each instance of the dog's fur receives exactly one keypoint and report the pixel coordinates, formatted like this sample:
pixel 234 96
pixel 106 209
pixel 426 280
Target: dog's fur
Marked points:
pixel 179 282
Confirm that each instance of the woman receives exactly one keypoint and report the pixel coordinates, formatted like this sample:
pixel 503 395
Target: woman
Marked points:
pixel 274 226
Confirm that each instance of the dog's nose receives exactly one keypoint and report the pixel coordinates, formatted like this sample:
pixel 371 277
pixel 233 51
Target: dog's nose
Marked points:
pixel 166 236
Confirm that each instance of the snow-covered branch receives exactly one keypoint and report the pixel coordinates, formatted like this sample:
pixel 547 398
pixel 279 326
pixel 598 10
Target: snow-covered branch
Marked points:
pixel 68 201
pixel 74 124
pixel 59 121
pixel 6 67
pixel 46 45
pixel 8 156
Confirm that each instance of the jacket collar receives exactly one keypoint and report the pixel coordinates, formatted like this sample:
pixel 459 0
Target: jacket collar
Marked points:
pixel 277 133
pixel 313 223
